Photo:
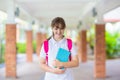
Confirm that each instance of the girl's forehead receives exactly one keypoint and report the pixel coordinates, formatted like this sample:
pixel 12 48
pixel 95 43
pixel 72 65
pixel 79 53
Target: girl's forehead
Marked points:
pixel 58 25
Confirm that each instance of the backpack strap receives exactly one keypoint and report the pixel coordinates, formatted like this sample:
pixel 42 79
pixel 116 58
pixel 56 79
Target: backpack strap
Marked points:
pixel 46 48
pixel 69 44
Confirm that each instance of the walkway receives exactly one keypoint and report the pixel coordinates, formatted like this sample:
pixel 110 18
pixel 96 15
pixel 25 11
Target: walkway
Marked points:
pixel 31 71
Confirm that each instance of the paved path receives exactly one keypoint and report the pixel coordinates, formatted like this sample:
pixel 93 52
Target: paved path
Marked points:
pixel 32 71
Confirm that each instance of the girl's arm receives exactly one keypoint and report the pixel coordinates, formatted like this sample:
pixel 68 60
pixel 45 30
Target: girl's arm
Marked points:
pixel 73 63
pixel 45 67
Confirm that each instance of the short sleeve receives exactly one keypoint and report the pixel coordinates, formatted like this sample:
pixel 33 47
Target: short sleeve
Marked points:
pixel 73 50
pixel 42 52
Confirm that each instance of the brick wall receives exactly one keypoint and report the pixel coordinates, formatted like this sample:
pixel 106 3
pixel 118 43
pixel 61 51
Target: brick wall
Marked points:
pixel 38 43
pixel 99 51
pixel 83 46
pixel 10 50
pixel 29 46
pixel 44 36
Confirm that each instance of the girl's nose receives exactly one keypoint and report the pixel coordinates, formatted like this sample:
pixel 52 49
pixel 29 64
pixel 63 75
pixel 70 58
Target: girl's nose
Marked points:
pixel 59 30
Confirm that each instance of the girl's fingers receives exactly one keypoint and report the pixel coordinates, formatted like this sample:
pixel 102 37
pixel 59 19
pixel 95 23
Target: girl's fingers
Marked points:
pixel 59 71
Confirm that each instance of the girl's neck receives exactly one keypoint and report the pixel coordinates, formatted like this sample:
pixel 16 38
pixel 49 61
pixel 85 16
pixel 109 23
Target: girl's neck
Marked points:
pixel 58 39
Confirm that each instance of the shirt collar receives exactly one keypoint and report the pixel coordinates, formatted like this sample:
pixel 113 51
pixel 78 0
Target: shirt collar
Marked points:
pixel 57 42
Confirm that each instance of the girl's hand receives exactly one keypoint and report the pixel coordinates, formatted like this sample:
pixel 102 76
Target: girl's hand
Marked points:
pixel 57 63
pixel 58 71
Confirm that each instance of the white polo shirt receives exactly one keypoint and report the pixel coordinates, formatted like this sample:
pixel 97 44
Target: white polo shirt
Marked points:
pixel 52 52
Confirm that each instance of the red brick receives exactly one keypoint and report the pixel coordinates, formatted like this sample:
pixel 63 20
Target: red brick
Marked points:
pixel 83 46
pixel 99 52
pixel 38 43
pixel 44 36
pixel 29 47
pixel 10 50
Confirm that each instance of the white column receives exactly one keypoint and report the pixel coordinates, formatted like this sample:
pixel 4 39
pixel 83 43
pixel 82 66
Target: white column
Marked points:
pixel 43 29
pixel 100 18
pixel 99 48
pixel 10 11
pixel 83 26
pixel 29 26
pixel 10 48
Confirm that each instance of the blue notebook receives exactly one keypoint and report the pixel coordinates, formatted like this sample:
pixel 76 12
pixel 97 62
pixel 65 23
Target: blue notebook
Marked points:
pixel 63 55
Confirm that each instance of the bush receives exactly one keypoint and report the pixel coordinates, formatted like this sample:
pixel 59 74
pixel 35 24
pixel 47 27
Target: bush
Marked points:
pixel 2 53
pixel 34 46
pixel 91 37
pixel 21 47
pixel 112 46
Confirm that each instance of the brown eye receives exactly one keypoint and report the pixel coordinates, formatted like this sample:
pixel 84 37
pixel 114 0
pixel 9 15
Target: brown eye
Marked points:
pixel 55 28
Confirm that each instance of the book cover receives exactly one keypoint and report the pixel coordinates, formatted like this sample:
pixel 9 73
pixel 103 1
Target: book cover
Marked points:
pixel 63 55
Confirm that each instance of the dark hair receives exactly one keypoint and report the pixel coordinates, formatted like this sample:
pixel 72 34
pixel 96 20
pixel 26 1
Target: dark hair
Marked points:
pixel 57 21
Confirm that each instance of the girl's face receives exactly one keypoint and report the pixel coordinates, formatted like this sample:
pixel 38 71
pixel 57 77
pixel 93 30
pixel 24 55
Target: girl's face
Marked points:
pixel 58 31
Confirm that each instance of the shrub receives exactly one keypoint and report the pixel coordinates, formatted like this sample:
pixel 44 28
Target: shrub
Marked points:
pixel 112 46
pixel 34 46
pixel 21 47
pixel 2 53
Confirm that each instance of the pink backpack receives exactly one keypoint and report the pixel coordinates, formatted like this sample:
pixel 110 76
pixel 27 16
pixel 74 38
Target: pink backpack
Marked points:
pixel 46 48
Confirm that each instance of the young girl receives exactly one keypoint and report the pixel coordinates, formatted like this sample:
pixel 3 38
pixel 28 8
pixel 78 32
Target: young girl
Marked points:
pixel 55 42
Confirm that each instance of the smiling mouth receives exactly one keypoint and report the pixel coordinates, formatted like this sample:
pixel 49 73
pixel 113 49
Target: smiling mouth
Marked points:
pixel 58 34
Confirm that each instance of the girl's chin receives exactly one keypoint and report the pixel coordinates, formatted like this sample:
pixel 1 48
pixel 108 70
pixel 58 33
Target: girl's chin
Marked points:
pixel 58 36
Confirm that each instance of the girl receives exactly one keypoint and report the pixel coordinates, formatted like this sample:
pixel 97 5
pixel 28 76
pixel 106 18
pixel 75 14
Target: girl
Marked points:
pixel 55 42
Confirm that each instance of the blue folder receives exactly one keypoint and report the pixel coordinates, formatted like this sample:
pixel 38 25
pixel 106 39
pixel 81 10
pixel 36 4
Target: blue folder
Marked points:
pixel 63 55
